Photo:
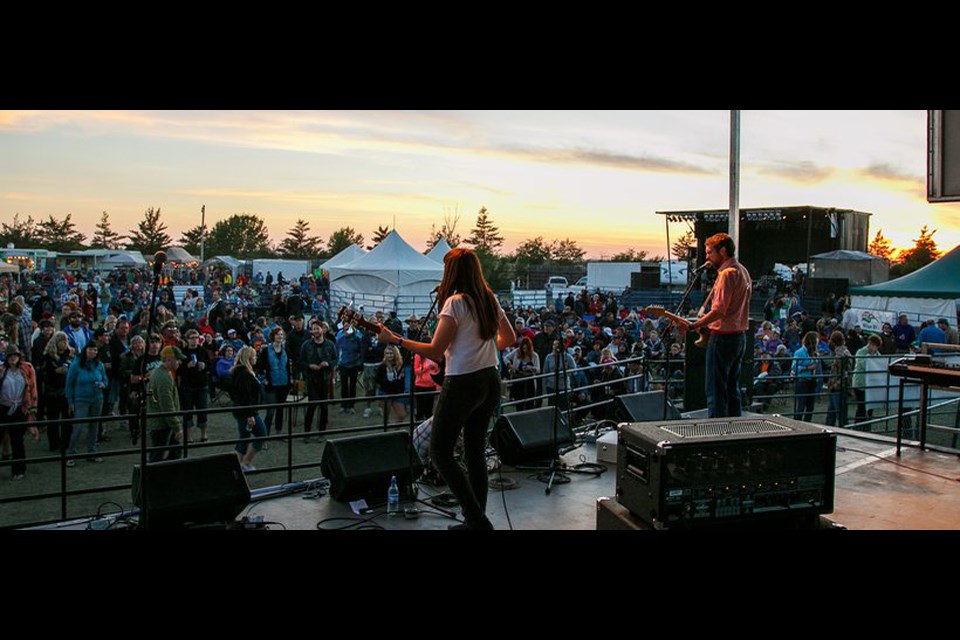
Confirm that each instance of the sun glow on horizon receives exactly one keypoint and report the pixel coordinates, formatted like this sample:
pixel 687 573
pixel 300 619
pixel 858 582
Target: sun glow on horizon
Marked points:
pixel 595 177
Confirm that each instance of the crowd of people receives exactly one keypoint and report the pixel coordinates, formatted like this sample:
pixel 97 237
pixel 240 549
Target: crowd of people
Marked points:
pixel 828 355
pixel 83 346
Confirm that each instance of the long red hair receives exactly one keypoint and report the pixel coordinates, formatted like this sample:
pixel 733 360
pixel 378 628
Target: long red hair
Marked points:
pixel 463 274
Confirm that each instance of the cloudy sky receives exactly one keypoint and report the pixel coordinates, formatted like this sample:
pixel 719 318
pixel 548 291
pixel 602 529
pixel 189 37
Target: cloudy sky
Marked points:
pixel 594 176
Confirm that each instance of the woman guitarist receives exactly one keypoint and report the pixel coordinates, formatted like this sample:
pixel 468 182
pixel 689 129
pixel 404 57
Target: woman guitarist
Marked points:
pixel 471 329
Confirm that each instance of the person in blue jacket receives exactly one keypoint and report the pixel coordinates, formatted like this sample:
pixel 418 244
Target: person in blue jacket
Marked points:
pixel 86 380
pixel 350 364
pixel 806 371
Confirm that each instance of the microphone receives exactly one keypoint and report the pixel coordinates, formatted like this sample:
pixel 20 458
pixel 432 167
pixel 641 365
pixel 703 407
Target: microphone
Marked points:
pixel 435 289
pixel 702 267
pixel 159 258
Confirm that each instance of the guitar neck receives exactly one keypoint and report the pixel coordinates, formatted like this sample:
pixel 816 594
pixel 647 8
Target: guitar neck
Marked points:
pixel 667 314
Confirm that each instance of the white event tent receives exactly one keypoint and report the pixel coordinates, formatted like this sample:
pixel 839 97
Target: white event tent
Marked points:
pixel 393 276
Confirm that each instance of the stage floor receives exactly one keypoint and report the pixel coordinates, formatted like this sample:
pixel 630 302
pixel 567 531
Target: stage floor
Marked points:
pixel 874 490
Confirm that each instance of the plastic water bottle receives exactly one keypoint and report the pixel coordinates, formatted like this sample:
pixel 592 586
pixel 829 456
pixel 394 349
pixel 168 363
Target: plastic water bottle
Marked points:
pixel 393 497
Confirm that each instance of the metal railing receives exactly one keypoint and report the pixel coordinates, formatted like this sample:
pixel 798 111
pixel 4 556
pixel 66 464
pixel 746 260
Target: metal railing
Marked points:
pixel 183 449
pixel 779 395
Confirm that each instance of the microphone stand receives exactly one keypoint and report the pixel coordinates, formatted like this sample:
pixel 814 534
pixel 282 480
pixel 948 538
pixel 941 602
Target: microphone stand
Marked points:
pixel 555 468
pixel 670 327
pixel 412 398
pixel 159 259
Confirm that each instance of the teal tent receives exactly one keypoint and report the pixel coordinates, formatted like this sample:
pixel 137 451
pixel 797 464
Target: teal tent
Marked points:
pixel 929 293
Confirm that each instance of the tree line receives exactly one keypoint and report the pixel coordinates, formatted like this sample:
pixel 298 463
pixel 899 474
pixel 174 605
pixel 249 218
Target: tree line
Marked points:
pixel 904 261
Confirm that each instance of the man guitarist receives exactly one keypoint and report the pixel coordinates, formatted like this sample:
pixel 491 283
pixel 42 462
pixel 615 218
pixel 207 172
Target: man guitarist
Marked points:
pixel 728 322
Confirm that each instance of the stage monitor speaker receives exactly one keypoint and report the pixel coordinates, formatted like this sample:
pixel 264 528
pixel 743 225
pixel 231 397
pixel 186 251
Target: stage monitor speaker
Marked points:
pixel 361 466
pixel 943 155
pixel 643 407
pixel 201 490
pixel 527 436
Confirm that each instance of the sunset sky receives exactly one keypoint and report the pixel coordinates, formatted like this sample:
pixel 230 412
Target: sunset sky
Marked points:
pixel 594 176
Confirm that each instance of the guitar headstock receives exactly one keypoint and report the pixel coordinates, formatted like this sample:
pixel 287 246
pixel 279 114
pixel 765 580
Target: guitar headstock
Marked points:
pixel 654 310
pixel 352 316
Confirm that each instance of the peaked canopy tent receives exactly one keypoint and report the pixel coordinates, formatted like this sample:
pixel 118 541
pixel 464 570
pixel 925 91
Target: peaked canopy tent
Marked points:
pixel 228 261
pixel 439 250
pixel 179 254
pixel 858 267
pixel 349 254
pixel 393 276
pixel 126 259
pixel 926 294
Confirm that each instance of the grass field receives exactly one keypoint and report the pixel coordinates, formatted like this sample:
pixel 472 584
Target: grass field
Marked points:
pixel 119 457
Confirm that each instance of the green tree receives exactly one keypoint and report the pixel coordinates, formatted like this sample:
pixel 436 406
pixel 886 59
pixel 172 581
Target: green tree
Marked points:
pixel 343 238
pixel 22 233
pixel 299 244
pixel 242 235
pixel 379 236
pixel 924 252
pixel 566 251
pixel 190 239
pixel 485 236
pixel 630 255
pixel 150 235
pixel 881 247
pixel 104 237
pixel 533 251
pixel 684 243
pixel 496 269
pixel 448 229
pixel 60 235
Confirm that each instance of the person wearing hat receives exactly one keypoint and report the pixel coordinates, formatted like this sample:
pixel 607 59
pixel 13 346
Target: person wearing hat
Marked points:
pixel 413 326
pixel 233 339
pixel 78 334
pixel 162 397
pixel 522 330
pixel 18 402
pixel 86 381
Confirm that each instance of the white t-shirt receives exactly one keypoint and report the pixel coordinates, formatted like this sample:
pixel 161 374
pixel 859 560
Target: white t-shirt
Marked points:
pixel 468 352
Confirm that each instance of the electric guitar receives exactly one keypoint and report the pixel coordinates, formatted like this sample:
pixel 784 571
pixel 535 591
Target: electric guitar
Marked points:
pixel 347 316
pixel 657 311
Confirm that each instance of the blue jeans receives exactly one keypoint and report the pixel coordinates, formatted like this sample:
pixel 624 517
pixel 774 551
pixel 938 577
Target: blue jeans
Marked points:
pixel 85 410
pixel 834 407
pixel 258 430
pixel 724 360
pixel 806 398
pixel 276 395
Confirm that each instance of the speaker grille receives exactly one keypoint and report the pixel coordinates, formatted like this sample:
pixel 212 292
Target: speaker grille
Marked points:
pixel 732 428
